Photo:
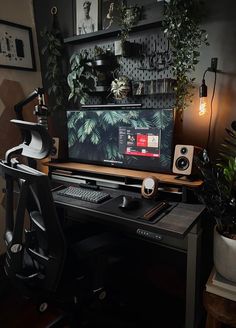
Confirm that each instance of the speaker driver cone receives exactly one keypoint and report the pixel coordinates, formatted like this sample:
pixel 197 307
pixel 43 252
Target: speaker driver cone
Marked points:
pixel 182 163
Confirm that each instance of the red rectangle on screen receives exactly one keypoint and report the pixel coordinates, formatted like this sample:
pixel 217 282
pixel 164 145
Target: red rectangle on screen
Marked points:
pixel 142 140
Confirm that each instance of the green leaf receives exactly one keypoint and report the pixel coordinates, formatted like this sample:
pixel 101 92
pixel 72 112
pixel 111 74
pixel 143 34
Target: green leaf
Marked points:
pixel 89 125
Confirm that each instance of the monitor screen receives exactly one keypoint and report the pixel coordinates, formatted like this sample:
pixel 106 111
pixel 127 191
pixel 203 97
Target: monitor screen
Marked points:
pixel 137 139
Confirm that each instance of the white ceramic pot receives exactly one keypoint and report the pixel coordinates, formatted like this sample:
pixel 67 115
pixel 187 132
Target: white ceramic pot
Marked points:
pixel 224 252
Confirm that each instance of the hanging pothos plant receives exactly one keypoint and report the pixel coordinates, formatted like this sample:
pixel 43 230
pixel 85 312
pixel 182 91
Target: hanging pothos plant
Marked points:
pixel 182 28
pixel 129 17
pixel 54 51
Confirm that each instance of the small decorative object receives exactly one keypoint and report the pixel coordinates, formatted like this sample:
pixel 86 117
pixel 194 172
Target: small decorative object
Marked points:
pixel 80 79
pixel 182 28
pixel 120 87
pixel 138 88
pixel 149 187
pixel 86 16
pixel 219 195
pixel 16 46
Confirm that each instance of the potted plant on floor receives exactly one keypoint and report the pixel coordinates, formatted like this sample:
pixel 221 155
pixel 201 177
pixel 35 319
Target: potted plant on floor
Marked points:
pixel 219 195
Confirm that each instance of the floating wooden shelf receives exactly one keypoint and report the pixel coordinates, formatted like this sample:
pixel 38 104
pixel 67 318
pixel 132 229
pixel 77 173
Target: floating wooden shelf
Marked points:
pixel 127 173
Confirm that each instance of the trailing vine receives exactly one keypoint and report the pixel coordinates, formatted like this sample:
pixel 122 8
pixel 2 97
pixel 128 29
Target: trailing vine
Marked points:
pixel 129 17
pixel 54 52
pixel 182 28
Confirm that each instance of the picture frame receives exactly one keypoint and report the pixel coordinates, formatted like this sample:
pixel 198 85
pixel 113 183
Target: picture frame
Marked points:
pixel 110 14
pixel 87 16
pixel 16 46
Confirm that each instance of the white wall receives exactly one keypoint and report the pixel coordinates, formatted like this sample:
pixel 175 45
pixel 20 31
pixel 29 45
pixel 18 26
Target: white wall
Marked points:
pixel 15 84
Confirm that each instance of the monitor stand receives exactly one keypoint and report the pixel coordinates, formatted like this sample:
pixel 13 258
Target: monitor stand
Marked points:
pixel 189 178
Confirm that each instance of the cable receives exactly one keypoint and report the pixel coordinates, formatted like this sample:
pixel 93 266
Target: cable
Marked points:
pixel 210 121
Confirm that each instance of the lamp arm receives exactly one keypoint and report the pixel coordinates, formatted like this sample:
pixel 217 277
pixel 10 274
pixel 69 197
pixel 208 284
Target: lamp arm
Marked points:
pixel 40 110
pixel 19 106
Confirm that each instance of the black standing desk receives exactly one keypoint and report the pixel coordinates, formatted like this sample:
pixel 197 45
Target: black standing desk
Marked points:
pixel 179 229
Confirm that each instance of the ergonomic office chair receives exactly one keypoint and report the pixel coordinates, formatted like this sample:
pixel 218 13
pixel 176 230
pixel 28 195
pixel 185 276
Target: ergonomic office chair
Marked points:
pixel 38 255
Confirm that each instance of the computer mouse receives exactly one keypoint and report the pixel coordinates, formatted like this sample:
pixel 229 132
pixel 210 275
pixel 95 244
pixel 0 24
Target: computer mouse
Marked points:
pixel 129 203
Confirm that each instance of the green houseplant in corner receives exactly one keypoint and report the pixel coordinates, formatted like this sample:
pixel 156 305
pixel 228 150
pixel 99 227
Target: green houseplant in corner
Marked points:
pixel 219 195
pixel 181 26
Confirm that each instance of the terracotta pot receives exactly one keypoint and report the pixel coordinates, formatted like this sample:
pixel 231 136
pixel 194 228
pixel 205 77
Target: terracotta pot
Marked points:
pixel 224 255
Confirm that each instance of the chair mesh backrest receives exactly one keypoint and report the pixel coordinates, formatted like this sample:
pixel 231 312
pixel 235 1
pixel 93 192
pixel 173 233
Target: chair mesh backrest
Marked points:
pixel 35 251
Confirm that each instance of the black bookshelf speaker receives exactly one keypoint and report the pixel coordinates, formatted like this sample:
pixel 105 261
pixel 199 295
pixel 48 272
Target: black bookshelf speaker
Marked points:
pixel 55 152
pixel 183 162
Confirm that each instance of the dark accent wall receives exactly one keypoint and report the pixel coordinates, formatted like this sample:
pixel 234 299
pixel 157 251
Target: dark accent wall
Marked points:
pixel 220 24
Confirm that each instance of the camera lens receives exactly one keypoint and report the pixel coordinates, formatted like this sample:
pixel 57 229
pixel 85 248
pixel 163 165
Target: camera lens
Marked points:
pixel 183 150
pixel 182 163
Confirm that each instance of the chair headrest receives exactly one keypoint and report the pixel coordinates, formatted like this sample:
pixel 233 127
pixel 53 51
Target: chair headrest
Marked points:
pixel 37 142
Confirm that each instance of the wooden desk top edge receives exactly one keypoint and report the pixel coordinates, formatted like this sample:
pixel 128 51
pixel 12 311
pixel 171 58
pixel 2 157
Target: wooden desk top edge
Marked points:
pixel 127 173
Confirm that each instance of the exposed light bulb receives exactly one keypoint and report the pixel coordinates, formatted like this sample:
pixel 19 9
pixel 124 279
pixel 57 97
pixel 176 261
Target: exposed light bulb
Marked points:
pixel 202 106
pixel 203 98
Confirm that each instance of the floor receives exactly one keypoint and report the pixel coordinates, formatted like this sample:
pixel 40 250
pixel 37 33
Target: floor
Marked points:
pixel 17 312
pixel 137 297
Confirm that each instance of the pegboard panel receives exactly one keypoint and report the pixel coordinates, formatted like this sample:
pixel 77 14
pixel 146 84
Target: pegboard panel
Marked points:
pixel 145 67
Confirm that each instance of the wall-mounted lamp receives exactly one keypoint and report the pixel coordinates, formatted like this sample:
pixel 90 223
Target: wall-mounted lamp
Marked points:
pixel 203 87
pixel 203 98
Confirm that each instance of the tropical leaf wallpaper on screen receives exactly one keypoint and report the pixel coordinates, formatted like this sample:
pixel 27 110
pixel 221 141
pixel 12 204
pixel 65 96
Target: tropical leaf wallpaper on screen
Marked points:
pixel 93 135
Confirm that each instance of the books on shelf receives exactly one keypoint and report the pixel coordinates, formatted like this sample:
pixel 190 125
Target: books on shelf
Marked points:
pixel 216 284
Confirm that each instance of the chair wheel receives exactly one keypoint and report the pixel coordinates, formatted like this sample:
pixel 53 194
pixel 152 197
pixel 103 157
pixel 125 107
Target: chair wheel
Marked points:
pixel 102 295
pixel 43 307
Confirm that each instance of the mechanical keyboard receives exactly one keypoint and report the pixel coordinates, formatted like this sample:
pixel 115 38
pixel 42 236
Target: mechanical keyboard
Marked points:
pixel 88 195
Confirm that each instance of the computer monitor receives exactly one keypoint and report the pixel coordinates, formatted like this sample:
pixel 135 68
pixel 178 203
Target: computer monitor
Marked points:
pixel 138 139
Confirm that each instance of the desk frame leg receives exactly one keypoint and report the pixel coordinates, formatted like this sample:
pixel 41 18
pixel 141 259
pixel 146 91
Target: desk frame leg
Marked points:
pixel 193 279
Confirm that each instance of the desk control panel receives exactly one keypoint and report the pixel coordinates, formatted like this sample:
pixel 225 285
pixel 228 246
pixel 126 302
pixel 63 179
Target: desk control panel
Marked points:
pixel 149 234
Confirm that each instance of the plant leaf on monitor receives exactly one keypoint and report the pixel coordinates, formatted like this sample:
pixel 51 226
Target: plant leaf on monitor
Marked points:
pixel 95 137
pixel 112 118
pixel 89 125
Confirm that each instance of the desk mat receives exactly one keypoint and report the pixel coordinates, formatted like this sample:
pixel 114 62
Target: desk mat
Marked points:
pixel 141 209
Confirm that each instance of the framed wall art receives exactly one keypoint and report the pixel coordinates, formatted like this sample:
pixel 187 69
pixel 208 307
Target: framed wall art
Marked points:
pixel 86 16
pixel 16 46
pixel 110 14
